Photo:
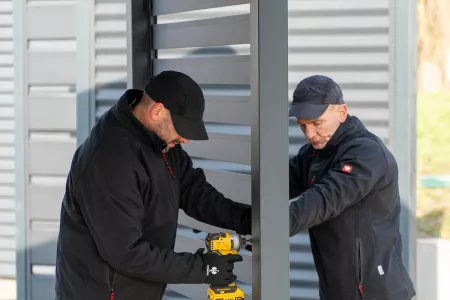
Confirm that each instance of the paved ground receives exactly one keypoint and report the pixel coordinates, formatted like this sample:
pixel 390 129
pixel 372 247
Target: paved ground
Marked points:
pixel 8 289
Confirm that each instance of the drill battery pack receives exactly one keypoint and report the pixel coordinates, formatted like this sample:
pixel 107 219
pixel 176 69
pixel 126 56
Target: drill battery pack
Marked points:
pixel 229 292
pixel 223 244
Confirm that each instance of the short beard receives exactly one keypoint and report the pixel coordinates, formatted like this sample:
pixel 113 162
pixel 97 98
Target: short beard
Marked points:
pixel 162 132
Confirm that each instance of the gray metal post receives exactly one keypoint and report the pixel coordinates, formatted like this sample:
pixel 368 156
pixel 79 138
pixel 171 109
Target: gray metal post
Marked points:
pixel 405 43
pixel 270 141
pixel 139 54
pixel 21 139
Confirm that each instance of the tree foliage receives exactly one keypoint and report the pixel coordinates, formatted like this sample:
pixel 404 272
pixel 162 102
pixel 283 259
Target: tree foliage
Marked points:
pixel 433 34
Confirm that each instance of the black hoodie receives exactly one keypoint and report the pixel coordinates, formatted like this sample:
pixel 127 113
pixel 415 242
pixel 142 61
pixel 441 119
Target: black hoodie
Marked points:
pixel 349 200
pixel 120 211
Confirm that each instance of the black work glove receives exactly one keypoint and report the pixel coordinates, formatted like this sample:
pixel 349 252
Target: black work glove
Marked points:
pixel 219 269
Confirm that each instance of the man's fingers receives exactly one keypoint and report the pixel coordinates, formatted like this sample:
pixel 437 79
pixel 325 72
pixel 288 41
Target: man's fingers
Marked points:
pixel 232 279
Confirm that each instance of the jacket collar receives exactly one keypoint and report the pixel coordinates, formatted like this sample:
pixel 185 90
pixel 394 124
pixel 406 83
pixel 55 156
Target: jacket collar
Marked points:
pixel 122 111
pixel 348 129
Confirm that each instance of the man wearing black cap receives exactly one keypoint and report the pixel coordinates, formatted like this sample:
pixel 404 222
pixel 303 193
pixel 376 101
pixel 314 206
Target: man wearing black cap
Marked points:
pixel 125 187
pixel 346 184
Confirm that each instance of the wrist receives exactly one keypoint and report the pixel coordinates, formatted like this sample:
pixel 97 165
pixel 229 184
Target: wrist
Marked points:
pixel 202 270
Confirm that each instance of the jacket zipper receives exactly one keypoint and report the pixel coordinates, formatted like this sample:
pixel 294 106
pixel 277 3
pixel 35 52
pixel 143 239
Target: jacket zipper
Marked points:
pixel 169 168
pixel 359 269
pixel 112 290
pixel 313 179
pixel 168 165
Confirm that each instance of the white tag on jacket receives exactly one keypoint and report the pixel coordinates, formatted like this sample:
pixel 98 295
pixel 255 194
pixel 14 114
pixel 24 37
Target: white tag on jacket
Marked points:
pixel 380 270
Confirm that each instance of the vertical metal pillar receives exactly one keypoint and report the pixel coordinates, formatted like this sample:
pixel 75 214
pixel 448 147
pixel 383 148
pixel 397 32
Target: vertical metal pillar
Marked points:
pixel 405 56
pixel 139 54
pixel 270 149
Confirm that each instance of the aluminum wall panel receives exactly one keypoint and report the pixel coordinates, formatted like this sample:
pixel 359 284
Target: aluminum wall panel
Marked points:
pixel 48 118
pixel 109 52
pixel 349 41
pixel 7 147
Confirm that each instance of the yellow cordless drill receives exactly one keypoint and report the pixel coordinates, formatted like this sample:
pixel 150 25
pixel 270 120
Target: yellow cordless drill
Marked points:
pixel 225 243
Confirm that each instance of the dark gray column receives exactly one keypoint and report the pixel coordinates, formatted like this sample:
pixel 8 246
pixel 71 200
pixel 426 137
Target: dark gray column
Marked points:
pixel 139 42
pixel 270 143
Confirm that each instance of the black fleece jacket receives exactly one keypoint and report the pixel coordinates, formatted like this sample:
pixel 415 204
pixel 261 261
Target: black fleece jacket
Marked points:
pixel 348 198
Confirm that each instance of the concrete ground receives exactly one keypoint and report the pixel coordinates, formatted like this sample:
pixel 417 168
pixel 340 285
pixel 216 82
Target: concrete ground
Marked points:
pixel 8 289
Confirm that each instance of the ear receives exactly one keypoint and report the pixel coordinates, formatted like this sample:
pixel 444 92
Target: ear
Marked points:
pixel 157 111
pixel 342 113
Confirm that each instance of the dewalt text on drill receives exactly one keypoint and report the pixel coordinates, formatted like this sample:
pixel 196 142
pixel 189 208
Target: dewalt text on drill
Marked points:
pixel 224 243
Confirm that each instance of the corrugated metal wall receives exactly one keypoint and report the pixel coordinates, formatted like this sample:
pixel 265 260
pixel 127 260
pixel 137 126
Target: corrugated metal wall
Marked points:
pixel 349 41
pixel 7 189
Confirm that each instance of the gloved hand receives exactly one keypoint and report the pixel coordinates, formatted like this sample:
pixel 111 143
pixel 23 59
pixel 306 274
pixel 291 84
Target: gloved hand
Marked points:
pixel 219 269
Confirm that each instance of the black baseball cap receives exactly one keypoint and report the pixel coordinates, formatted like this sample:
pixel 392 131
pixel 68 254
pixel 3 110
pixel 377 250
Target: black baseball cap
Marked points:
pixel 313 95
pixel 183 97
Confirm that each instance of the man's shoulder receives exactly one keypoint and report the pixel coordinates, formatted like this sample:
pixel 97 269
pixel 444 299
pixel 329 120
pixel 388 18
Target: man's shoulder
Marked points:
pixel 369 145
pixel 364 138
pixel 107 145
pixel 364 142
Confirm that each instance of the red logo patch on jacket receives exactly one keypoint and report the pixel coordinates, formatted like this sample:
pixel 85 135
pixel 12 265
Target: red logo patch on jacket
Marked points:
pixel 347 168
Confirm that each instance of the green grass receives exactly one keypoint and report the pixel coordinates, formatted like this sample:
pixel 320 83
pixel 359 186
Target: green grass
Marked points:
pixel 433 151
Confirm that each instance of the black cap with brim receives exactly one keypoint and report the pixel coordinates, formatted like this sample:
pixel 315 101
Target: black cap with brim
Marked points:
pixel 184 98
pixel 307 110
pixel 189 129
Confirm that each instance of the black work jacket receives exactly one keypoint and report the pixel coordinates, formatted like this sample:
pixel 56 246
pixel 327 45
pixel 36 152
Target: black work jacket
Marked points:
pixel 120 211
pixel 348 200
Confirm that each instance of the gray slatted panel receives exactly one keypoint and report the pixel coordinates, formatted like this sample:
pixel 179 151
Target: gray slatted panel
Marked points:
pixel 110 61
pixel 7 189
pixel 212 46
pixel 51 123
pixel 347 40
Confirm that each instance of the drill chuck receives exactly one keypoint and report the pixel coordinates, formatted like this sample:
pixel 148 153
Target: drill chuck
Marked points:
pixel 235 241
